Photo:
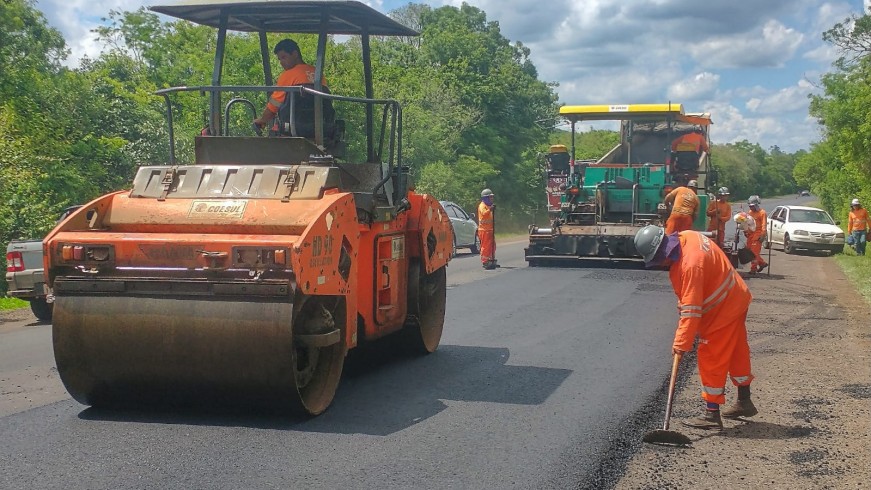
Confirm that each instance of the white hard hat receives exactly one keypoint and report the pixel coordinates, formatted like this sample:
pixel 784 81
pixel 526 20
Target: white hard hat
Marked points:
pixel 692 183
pixel 487 192
pixel 854 202
pixel 647 241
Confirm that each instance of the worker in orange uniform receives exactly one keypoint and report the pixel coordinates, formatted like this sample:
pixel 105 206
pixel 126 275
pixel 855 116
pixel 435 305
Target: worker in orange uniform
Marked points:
pixel 757 236
pixel 712 302
pixel 719 212
pixel 684 205
pixel 858 226
pixel 690 142
pixel 486 230
pixel 296 72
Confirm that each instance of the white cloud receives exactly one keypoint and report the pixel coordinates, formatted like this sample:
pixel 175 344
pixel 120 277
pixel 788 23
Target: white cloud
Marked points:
pixel 701 86
pixel 788 99
pixel 772 46
pixel 76 18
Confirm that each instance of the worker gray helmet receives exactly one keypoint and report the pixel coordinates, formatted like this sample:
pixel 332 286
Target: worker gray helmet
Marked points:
pixel 487 192
pixel 723 191
pixel 754 200
pixel 648 240
pixel 854 202
pixel 693 183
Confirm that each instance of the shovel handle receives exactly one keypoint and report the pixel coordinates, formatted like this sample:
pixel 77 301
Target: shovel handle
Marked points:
pixel 671 383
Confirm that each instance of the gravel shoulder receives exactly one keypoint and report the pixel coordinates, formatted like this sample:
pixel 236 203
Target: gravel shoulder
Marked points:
pixel 810 344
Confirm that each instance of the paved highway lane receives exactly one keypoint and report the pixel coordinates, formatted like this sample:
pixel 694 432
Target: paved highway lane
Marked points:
pixel 540 372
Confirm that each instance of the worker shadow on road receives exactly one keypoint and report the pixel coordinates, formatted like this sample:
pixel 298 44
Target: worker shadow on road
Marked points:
pixel 381 393
pixel 746 429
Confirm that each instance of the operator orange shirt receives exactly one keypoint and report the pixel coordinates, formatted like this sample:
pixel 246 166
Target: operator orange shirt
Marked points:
pixel 690 142
pixel 710 292
pixel 685 201
pixel 300 74
pixel 858 220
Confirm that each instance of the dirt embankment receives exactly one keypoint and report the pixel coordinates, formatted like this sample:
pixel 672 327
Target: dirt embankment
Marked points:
pixel 810 340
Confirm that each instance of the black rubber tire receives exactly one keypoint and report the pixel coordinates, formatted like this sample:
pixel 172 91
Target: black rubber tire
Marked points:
pixel 454 249
pixel 766 244
pixel 837 250
pixel 476 247
pixel 41 309
pixel 787 245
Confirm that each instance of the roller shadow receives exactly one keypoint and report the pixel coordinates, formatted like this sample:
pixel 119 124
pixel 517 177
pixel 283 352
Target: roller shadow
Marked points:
pixel 380 393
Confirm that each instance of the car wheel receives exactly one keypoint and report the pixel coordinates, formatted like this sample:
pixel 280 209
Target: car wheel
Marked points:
pixel 787 245
pixel 476 247
pixel 41 309
pixel 766 244
pixel 837 250
pixel 454 249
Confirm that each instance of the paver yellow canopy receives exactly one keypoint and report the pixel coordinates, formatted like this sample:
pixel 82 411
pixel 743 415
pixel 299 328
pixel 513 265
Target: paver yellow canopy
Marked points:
pixel 247 276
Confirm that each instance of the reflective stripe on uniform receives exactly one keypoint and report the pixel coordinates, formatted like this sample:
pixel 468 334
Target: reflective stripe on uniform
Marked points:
pixel 740 379
pixel 690 315
pixel 710 390
pixel 722 291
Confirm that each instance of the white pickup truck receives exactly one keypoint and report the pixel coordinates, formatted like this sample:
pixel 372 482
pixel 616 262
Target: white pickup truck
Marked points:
pixel 24 273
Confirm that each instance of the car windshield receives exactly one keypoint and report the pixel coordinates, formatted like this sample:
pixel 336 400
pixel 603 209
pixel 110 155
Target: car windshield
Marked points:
pixel 810 216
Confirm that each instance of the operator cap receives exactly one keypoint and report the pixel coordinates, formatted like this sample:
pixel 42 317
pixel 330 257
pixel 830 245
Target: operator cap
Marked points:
pixel 648 240
pixel 854 202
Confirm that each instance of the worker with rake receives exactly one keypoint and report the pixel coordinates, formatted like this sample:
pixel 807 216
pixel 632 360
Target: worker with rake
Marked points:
pixel 713 304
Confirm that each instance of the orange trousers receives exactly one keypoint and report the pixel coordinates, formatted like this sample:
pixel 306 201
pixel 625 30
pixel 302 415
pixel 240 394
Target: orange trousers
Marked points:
pixel 488 245
pixel 721 235
pixel 678 222
pixel 723 352
pixel 755 246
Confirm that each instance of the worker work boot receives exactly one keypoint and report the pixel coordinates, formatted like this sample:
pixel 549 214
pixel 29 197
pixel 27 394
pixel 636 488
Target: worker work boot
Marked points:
pixel 761 267
pixel 710 420
pixel 741 408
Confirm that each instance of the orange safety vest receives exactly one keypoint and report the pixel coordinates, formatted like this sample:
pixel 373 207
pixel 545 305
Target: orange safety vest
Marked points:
pixel 710 292
pixel 690 142
pixel 685 201
pixel 720 212
pixel 761 219
pixel 485 217
pixel 858 220
pixel 300 74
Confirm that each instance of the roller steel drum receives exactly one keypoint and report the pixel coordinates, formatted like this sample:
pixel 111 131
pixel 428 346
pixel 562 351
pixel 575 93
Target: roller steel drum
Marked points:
pixel 118 349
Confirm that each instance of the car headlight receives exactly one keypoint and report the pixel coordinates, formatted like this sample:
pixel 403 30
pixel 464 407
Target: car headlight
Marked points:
pixel 801 233
pixel 839 235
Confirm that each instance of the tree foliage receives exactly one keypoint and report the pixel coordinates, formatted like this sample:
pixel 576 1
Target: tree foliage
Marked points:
pixel 475 112
pixel 838 168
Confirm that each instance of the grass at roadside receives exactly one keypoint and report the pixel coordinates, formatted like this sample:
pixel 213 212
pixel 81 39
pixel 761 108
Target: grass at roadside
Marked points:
pixel 858 270
pixel 11 303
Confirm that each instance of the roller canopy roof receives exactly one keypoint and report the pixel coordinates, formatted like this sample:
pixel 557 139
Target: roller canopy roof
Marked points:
pixel 350 18
pixel 633 112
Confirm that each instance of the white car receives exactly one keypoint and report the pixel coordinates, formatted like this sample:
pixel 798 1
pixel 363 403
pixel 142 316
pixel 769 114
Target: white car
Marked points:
pixel 465 227
pixel 795 227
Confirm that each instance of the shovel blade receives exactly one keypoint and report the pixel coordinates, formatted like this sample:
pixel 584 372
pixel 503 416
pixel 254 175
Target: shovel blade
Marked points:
pixel 666 438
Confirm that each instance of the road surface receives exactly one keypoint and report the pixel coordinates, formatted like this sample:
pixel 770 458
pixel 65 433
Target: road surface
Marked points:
pixel 543 380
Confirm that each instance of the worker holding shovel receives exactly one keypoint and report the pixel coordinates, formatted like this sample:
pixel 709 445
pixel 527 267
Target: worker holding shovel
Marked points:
pixel 713 304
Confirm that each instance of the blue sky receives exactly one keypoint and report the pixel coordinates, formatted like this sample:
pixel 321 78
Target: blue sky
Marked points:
pixel 750 64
